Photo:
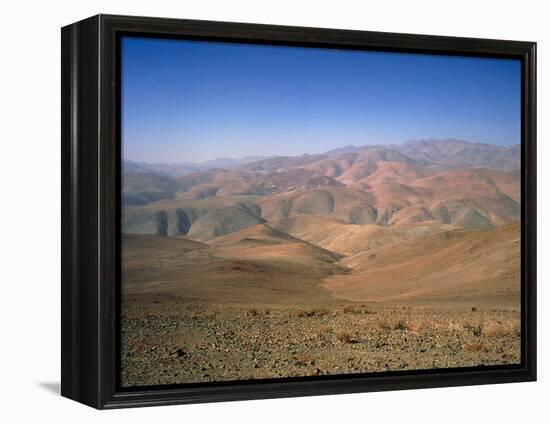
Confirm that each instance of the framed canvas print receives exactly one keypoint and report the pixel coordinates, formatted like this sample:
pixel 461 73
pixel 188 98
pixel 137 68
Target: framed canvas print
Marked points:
pixel 255 211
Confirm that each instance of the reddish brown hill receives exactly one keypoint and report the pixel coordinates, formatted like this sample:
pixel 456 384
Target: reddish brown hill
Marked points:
pixel 256 266
pixel 349 239
pixel 333 167
pixel 264 242
pixel 460 265
pixel 471 198
pixel 342 203
pixel 370 185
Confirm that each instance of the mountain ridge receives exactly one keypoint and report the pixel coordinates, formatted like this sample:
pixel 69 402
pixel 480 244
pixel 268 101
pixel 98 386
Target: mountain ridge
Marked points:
pixel 374 186
pixel 444 152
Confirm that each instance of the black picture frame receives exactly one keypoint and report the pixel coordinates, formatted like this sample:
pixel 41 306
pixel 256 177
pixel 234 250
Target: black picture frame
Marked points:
pixel 90 138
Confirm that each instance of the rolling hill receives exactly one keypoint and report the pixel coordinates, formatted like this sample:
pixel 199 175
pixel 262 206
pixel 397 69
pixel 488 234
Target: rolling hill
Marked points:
pixel 254 266
pixel 368 185
pixel 421 220
pixel 460 265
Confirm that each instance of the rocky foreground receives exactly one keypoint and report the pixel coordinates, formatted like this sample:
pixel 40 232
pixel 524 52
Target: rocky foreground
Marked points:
pixel 168 342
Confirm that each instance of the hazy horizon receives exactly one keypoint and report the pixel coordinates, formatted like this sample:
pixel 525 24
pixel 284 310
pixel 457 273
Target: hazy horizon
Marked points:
pixel 182 160
pixel 195 101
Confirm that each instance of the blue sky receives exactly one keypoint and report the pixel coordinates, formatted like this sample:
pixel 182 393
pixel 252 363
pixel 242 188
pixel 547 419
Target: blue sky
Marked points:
pixel 198 100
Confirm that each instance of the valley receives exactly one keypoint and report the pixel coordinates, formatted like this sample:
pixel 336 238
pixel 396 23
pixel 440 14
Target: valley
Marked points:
pixel 357 260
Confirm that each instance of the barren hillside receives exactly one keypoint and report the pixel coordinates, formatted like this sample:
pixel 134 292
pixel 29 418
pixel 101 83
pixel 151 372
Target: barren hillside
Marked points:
pixel 459 265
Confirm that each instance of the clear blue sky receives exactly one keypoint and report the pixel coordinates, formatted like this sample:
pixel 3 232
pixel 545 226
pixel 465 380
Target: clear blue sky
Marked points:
pixel 197 100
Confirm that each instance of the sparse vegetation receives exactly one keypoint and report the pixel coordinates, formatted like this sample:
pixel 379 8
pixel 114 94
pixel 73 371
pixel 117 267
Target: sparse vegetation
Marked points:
pixel 383 324
pixel 474 347
pixel 497 329
pixel 312 312
pixel 344 336
pixel 352 341
pixel 321 312
pixel 352 309
pixel 401 325
pixel 303 359
pixel 475 328
pixel 202 315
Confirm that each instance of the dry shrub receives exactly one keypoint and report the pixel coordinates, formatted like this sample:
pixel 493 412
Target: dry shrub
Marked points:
pixel 475 328
pixel 303 358
pixel 344 336
pixel 350 309
pixel 319 312
pixel 474 347
pixel 416 325
pixel 383 324
pixel 455 326
pixel 515 327
pixel 474 309
pixel 401 325
pixel 324 332
pixel 311 312
pixel 253 312
pixel 496 329
pixel 203 315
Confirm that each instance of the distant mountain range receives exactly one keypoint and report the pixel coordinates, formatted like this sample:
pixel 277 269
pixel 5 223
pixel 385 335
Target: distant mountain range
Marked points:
pixel 445 153
pixel 449 152
pixel 182 168
pixel 426 182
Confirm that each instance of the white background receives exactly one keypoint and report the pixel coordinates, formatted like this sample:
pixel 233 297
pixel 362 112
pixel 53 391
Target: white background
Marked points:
pixel 30 211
